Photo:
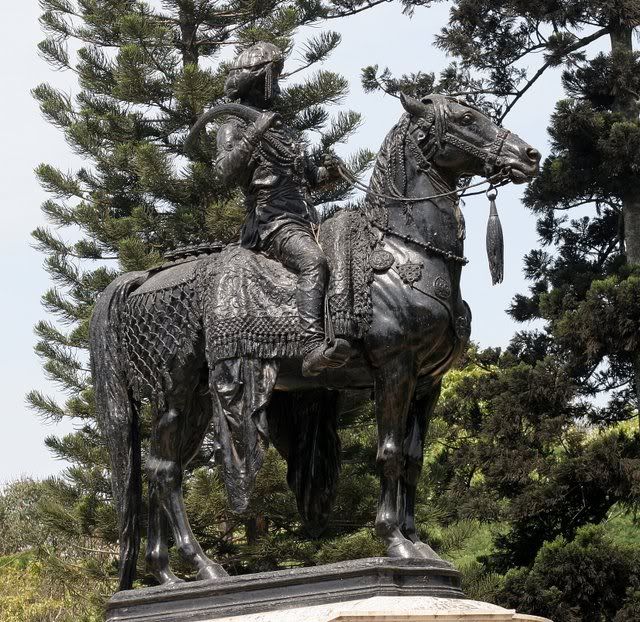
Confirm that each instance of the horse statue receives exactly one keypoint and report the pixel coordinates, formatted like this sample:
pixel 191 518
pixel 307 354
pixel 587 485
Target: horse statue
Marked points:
pixel 211 340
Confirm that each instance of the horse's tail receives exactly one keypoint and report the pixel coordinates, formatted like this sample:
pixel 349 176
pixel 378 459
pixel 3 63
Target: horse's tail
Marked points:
pixel 304 429
pixel 118 417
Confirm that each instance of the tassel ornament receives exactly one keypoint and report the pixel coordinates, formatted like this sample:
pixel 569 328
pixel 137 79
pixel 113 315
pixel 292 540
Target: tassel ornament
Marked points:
pixel 495 239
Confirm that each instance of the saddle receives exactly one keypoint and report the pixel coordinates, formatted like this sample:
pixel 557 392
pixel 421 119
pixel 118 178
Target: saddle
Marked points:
pixel 244 302
pixel 249 305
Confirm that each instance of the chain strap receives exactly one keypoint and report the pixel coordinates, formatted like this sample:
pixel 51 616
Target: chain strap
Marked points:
pixel 432 248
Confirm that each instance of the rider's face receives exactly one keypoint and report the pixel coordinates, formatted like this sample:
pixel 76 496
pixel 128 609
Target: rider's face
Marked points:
pixel 275 84
pixel 260 95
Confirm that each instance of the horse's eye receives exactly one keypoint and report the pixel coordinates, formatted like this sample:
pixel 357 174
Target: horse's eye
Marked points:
pixel 467 119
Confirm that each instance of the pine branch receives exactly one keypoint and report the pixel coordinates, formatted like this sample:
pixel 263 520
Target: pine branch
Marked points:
pixel 343 126
pixel 369 4
pixel 67 379
pixel 45 407
pixel 551 62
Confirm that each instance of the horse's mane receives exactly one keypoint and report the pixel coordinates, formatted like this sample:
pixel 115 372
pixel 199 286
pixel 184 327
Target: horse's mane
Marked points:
pixel 391 156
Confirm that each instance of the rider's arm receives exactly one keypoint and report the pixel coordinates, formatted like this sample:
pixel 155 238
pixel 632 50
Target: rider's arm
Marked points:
pixel 319 176
pixel 236 143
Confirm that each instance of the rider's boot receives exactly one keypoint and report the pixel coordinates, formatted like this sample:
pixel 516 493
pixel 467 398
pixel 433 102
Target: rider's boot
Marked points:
pixel 320 352
pixel 326 355
pixel 297 249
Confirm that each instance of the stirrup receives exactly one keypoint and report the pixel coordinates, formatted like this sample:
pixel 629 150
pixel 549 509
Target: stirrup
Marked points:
pixel 327 355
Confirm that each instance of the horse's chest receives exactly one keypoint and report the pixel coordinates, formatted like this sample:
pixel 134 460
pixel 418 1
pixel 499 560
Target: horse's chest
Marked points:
pixel 413 302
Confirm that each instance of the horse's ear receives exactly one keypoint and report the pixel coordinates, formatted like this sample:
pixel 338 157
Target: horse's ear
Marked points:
pixel 412 105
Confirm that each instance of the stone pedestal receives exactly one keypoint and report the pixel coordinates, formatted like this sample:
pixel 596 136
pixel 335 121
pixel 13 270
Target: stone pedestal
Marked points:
pixel 393 609
pixel 366 590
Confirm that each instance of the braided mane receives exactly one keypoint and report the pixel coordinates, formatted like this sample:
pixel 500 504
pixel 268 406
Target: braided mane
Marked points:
pixel 390 164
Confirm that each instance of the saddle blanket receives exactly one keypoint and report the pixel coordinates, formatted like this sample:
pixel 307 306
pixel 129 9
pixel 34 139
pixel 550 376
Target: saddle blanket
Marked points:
pixel 245 302
pixel 249 306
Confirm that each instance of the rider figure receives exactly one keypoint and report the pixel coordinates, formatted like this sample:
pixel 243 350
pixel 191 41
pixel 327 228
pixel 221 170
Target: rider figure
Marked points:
pixel 267 161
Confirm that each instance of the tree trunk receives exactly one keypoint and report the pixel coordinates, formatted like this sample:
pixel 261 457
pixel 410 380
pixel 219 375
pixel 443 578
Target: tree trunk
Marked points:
pixel 626 105
pixel 188 37
pixel 255 528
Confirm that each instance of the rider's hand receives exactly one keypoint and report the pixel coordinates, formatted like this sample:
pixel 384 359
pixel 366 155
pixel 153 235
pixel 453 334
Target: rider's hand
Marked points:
pixel 265 121
pixel 332 163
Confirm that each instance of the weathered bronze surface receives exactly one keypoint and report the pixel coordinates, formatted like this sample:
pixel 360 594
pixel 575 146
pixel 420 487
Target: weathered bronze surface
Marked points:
pixel 219 339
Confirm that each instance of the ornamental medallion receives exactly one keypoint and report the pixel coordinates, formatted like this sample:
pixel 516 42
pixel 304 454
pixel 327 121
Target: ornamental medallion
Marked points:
pixel 442 288
pixel 410 273
pixel 381 261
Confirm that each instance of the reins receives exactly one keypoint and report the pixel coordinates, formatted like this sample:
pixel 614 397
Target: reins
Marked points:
pixel 495 182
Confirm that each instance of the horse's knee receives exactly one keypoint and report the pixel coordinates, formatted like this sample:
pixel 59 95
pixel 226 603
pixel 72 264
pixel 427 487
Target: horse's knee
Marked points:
pixel 164 473
pixel 389 458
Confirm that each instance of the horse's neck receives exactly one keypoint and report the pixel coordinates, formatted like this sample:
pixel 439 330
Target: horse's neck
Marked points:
pixel 437 220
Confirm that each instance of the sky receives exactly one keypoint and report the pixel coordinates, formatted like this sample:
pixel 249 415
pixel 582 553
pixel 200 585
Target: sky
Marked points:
pixel 382 36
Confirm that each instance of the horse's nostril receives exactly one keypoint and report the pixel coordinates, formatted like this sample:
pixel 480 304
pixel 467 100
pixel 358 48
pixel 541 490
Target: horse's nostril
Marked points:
pixel 533 154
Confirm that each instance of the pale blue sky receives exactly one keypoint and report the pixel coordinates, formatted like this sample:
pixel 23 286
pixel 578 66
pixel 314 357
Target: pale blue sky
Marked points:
pixel 383 36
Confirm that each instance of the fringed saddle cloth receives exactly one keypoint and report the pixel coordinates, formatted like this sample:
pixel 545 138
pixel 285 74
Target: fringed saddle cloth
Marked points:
pixel 244 301
pixel 249 306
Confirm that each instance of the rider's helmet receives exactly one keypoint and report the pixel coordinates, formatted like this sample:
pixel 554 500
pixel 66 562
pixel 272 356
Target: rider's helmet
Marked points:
pixel 260 62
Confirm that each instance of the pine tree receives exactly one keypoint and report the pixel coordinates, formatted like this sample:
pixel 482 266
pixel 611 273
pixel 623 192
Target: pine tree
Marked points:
pixel 145 73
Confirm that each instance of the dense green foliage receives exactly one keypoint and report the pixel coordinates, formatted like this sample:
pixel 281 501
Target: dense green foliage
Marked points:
pixel 49 569
pixel 590 578
pixel 530 486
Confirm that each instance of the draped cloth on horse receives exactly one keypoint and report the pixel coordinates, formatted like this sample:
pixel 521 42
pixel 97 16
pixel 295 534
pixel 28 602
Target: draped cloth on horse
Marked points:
pixel 249 306
pixel 239 307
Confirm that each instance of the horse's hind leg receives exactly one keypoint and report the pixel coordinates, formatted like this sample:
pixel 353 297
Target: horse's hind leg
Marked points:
pixel 394 387
pixel 198 423
pixel 420 412
pixel 177 435
pixel 157 555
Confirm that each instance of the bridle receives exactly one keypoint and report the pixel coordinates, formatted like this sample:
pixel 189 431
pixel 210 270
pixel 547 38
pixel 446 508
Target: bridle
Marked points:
pixel 491 157
pixel 423 127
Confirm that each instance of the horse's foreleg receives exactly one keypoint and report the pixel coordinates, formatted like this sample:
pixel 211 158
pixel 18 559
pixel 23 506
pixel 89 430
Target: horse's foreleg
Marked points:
pixel 419 416
pixel 394 387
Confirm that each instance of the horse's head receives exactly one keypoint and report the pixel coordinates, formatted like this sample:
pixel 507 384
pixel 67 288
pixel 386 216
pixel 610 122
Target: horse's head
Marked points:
pixel 458 139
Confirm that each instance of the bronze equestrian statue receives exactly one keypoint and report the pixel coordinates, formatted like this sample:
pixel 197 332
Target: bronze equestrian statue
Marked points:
pixel 240 340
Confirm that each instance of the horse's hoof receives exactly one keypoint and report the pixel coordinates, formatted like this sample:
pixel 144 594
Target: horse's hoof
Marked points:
pixel 426 551
pixel 210 572
pixel 403 550
pixel 168 579
pixel 172 581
